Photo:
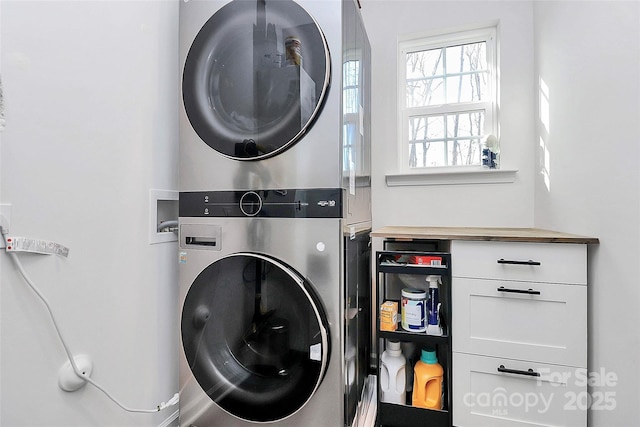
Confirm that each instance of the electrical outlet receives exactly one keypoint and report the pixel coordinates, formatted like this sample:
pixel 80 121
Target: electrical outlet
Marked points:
pixel 5 220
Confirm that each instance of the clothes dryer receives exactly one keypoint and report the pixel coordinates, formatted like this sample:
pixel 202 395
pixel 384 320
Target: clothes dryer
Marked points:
pixel 274 321
pixel 273 95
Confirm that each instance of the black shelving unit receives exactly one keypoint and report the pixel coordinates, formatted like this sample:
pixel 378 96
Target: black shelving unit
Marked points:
pixel 388 269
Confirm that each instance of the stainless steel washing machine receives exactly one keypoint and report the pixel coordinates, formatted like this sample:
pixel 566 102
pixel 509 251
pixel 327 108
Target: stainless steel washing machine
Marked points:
pixel 274 291
pixel 273 95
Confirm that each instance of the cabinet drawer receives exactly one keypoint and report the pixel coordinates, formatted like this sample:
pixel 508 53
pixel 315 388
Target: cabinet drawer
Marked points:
pixel 484 396
pixel 536 262
pixel 549 324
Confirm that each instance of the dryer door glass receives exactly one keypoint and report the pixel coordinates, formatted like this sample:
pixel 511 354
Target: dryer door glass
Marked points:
pixel 255 78
pixel 255 336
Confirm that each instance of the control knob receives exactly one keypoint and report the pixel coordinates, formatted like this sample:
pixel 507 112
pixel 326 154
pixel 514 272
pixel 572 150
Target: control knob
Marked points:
pixel 250 203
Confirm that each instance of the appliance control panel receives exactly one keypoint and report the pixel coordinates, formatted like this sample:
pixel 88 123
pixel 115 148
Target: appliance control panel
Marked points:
pixel 296 203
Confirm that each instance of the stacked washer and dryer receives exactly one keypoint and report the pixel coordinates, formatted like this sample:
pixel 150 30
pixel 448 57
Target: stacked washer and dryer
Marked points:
pixel 275 212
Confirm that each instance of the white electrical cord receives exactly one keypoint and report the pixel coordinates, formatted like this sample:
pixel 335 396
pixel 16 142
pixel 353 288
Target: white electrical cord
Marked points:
pixel 23 273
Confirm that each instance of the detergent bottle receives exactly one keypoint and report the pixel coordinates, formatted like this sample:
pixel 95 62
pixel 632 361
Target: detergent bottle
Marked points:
pixel 433 305
pixel 392 374
pixel 427 381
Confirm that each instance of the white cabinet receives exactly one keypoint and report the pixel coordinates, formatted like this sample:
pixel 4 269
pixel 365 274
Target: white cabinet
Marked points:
pixel 519 328
pixel 486 395
pixel 532 321
pixel 521 261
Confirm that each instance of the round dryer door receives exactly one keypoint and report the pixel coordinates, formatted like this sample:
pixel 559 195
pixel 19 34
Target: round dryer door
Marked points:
pixel 255 337
pixel 255 78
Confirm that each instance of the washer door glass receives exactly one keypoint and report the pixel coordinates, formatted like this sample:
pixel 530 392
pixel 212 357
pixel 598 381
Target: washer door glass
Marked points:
pixel 255 337
pixel 255 77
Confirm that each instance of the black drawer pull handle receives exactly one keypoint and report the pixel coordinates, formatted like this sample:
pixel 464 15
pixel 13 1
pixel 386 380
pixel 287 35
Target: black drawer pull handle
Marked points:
pixel 514 262
pixel 519 291
pixel 530 372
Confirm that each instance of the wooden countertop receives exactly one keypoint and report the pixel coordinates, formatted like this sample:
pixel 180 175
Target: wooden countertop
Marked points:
pixel 480 233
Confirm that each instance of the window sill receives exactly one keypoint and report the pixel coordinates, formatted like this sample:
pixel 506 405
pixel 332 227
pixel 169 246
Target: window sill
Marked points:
pixel 453 176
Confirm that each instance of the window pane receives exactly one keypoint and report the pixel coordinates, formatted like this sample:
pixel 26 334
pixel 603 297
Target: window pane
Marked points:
pixel 464 152
pixel 470 57
pixel 465 124
pixel 424 63
pixel 424 84
pixel 426 128
pixel 445 140
pixel 422 154
pixel 465 70
pixel 425 92
pixel 467 88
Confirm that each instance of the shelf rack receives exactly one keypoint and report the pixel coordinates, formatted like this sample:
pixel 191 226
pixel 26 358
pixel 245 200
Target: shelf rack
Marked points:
pixel 389 265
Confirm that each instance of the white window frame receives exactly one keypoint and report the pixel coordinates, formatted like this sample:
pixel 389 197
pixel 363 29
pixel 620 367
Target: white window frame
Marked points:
pixel 420 42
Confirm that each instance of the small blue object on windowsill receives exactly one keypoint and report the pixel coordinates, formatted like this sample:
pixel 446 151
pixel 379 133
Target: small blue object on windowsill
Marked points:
pixel 489 158
pixel 490 152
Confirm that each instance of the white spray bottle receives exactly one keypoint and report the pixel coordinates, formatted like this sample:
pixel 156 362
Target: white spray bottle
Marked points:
pixel 433 324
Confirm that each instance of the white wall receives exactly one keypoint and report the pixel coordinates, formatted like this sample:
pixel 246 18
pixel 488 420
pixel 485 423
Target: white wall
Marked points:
pixel 91 91
pixel 588 56
pixel 453 205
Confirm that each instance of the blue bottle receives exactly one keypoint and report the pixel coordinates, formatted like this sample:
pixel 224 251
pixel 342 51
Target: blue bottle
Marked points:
pixel 433 305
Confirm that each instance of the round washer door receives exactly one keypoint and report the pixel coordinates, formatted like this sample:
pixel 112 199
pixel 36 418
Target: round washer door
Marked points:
pixel 255 78
pixel 255 336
